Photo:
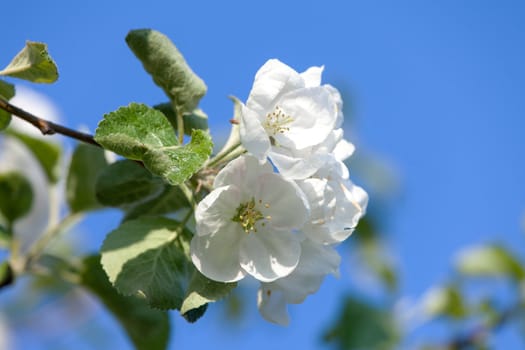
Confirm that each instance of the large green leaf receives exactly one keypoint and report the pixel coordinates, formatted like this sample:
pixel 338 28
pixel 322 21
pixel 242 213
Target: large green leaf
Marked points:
pixel 202 291
pixel 47 154
pixel 169 200
pixel 125 182
pixel 32 63
pixel 149 257
pixel 163 61
pixel 491 260
pixel 133 130
pixel 177 163
pixel 194 120
pixel 147 328
pixel 86 163
pixel 7 91
pixel 142 133
pixel 16 196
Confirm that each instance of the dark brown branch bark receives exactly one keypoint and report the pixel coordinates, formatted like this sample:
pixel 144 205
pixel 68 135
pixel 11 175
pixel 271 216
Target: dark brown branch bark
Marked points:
pixel 45 126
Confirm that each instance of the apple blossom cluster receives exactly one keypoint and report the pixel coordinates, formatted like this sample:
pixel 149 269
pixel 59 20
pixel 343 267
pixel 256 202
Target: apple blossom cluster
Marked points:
pixel 277 212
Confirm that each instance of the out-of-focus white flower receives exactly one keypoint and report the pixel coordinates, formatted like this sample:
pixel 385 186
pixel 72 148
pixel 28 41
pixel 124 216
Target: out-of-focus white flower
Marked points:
pixel 14 156
pixel 286 116
pixel 316 262
pixel 245 225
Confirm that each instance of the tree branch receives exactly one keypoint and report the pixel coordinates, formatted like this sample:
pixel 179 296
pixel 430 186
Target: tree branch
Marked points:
pixel 45 126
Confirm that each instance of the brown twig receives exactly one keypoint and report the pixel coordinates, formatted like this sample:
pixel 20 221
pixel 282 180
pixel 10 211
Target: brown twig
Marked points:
pixel 45 126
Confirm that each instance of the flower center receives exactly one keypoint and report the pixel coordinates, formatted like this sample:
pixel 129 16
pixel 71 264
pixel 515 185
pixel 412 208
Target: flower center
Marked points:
pixel 247 215
pixel 276 122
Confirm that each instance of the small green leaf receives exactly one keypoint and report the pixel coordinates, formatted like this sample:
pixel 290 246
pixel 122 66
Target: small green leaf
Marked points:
pixel 168 201
pixel 16 196
pixel 5 237
pixel 178 163
pixel 195 120
pixel 33 63
pixel 133 130
pixel 7 91
pixel 7 276
pixel 445 301
pixel 147 328
pixel 148 256
pixel 489 261
pixel 202 291
pixel 47 154
pixel 87 162
pixel 125 182
pixel 163 61
pixel 194 314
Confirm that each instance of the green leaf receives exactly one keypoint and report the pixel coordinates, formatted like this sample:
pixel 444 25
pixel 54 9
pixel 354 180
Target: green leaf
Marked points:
pixel 7 91
pixel 125 182
pixel 148 256
pixel 168 201
pixel 33 63
pixel 7 276
pixel 46 153
pixel 87 162
pixel 5 237
pixel 163 61
pixel 147 328
pixel 202 291
pixel 178 163
pixel 489 261
pixel 361 325
pixel 379 262
pixel 445 301
pixel 133 130
pixel 195 120
pixel 16 196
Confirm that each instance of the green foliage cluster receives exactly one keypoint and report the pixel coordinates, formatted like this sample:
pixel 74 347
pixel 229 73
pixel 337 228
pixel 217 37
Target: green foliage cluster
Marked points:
pixel 144 267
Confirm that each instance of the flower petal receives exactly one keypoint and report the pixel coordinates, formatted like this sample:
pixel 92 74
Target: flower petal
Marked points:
pixel 269 254
pixel 282 200
pixel 314 115
pixel 272 80
pixel 336 96
pixel 298 164
pixel 244 172
pixel 316 262
pixel 217 256
pixel 312 76
pixel 272 305
pixel 216 209
pixel 253 136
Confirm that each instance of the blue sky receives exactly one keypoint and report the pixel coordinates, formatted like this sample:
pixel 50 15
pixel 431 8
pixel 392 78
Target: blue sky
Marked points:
pixel 436 91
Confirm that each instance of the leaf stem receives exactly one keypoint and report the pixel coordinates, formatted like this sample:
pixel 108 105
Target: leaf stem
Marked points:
pixel 38 247
pixel 188 193
pixel 180 126
pixel 45 126
pixel 225 155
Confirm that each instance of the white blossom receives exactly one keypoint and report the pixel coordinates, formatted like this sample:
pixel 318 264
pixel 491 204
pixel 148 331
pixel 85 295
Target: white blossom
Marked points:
pixel 288 116
pixel 246 224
